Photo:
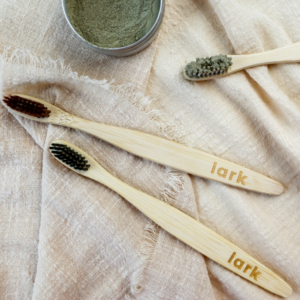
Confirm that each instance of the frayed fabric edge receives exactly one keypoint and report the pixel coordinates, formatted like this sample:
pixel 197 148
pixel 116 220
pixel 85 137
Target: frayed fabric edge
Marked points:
pixel 172 187
pixel 150 237
pixel 168 129
pixel 45 67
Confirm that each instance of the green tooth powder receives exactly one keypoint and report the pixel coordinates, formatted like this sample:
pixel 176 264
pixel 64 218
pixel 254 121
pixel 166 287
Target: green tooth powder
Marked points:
pixel 112 23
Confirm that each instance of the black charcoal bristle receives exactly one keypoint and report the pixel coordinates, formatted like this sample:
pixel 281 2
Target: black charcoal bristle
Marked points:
pixel 26 106
pixel 69 156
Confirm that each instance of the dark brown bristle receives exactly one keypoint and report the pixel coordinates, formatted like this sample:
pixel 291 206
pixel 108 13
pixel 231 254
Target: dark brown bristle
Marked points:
pixel 69 156
pixel 26 106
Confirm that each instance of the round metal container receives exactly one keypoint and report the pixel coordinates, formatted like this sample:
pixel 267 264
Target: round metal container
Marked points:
pixel 126 50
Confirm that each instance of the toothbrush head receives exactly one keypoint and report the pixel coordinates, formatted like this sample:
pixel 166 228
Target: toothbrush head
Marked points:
pixel 27 106
pixel 209 66
pixel 69 157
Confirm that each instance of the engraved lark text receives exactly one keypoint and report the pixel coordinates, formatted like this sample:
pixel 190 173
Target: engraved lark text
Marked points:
pixel 227 174
pixel 239 264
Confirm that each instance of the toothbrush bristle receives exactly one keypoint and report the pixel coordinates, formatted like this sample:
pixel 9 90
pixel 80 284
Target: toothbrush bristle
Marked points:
pixel 26 106
pixel 69 156
pixel 209 66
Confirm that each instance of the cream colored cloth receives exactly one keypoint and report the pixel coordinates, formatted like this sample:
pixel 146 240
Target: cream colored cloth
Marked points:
pixel 63 236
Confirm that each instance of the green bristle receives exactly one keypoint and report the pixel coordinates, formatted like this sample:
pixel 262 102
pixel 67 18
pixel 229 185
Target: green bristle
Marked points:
pixel 209 66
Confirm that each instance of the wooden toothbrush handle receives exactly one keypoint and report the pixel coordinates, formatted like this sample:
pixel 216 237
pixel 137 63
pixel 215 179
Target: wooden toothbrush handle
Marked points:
pixel 288 54
pixel 196 235
pixel 181 157
pixel 165 152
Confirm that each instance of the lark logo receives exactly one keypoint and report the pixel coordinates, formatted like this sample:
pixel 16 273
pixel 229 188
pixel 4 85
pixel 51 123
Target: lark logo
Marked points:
pixel 222 172
pixel 238 263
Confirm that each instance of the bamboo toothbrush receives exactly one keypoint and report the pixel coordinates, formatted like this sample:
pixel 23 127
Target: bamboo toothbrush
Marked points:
pixel 148 146
pixel 223 65
pixel 174 221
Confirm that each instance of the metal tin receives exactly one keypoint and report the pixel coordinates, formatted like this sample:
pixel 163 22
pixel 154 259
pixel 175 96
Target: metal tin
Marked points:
pixel 130 49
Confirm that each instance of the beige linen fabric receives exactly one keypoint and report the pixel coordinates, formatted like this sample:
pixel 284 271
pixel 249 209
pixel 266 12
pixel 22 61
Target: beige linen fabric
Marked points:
pixel 63 236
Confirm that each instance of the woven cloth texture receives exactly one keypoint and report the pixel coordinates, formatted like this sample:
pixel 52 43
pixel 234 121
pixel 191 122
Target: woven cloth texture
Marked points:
pixel 63 236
